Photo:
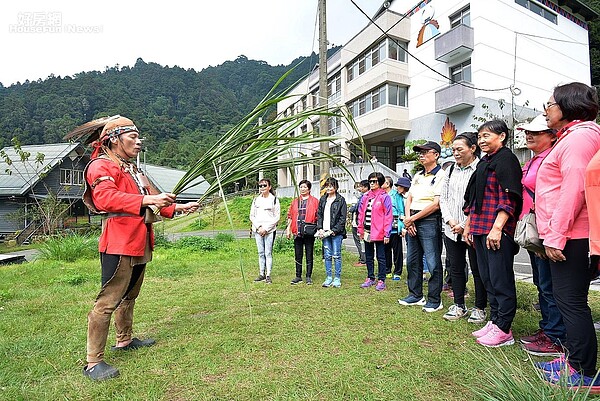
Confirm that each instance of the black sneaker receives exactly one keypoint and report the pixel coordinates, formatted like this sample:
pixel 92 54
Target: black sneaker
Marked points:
pixel 101 371
pixel 259 278
pixel 308 281
pixel 296 280
pixel 268 280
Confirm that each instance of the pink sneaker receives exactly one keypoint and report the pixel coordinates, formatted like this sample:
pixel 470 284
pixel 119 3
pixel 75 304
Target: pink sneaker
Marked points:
pixel 368 283
pixel 496 338
pixel 380 285
pixel 484 330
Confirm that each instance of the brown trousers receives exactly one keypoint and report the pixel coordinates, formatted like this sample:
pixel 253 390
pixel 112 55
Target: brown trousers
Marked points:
pixel 118 295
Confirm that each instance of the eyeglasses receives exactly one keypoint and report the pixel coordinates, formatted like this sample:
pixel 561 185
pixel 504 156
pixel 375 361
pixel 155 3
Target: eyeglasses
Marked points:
pixel 548 105
pixel 424 152
pixel 373 182
pixel 536 133
pixel 262 185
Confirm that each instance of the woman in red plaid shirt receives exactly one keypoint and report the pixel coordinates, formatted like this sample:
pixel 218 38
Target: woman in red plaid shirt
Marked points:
pixel 494 201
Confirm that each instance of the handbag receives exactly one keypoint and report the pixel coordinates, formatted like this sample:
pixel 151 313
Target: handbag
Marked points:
pixel 526 234
pixel 309 229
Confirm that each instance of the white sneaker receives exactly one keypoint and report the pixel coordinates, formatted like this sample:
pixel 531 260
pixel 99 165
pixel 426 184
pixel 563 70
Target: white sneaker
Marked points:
pixel 455 312
pixel 477 316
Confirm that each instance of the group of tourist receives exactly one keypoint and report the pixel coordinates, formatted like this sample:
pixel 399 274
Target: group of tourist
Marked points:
pixel 472 208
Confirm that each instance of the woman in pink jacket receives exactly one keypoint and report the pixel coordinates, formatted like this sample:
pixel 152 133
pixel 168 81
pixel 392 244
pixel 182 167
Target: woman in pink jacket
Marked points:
pixel 562 220
pixel 375 218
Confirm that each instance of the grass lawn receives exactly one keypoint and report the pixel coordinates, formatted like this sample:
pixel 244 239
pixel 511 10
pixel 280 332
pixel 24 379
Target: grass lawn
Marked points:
pixel 222 337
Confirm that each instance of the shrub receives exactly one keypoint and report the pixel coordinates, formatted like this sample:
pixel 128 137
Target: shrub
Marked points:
pixel 282 244
pixel 69 248
pixel 224 237
pixel 198 243
pixel 161 240
pixel 198 224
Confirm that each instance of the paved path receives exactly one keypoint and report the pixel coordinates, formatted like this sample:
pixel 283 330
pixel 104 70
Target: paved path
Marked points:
pixel 521 265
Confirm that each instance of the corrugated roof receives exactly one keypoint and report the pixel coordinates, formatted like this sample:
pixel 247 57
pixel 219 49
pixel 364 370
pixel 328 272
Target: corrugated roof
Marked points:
pixel 26 174
pixel 19 176
pixel 165 179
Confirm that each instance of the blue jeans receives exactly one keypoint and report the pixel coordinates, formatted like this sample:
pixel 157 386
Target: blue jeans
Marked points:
pixel 428 243
pixel 370 248
pixel 551 322
pixel 265 252
pixel 332 247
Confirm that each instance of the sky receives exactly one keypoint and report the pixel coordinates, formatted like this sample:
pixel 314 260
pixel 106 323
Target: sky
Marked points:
pixel 63 37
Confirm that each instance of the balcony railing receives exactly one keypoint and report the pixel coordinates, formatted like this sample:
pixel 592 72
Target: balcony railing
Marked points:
pixel 454 44
pixel 454 98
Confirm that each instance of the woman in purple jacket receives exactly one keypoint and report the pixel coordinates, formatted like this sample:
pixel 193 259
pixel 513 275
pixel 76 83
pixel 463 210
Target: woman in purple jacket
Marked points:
pixel 375 218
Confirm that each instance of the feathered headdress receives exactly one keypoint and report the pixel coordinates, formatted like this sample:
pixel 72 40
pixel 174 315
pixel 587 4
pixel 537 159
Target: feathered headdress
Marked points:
pixel 90 131
pixel 96 132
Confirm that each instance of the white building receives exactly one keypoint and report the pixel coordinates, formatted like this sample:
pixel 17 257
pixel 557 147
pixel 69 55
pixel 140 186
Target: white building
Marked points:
pixel 443 65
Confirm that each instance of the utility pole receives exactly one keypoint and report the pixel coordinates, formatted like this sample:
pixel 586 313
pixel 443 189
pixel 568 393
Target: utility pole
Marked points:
pixel 323 101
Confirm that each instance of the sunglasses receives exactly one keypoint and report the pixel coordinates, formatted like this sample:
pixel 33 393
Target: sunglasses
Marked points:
pixel 373 182
pixel 262 185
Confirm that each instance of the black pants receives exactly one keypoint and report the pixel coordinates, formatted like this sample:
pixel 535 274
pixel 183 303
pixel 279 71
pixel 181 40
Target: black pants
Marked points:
pixel 498 276
pixel 359 245
pixel 456 252
pixel 109 264
pixel 306 242
pixel 393 255
pixel 570 286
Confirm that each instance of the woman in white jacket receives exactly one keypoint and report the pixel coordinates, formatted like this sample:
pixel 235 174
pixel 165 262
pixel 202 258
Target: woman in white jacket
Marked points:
pixel 264 216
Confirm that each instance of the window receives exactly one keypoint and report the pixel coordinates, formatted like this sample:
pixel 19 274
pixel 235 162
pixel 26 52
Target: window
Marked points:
pixel 398 96
pixel 334 88
pixel 315 98
pixel 374 55
pixel 78 177
pixel 538 9
pixel 71 177
pixel 396 50
pixel 316 169
pixel 66 176
pixel 335 125
pixel 461 72
pixel 463 17
pixel 382 153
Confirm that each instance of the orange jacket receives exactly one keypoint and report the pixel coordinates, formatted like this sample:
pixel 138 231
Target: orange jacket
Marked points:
pixel 592 198
pixel 311 213
pixel 121 235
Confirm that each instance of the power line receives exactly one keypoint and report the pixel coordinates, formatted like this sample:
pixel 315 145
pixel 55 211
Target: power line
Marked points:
pixel 385 33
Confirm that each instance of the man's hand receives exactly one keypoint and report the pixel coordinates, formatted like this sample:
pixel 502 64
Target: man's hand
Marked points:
pixel 189 207
pixel 161 200
pixel 412 230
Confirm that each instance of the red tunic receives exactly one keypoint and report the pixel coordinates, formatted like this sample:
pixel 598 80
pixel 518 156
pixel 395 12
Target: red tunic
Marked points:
pixel 122 235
